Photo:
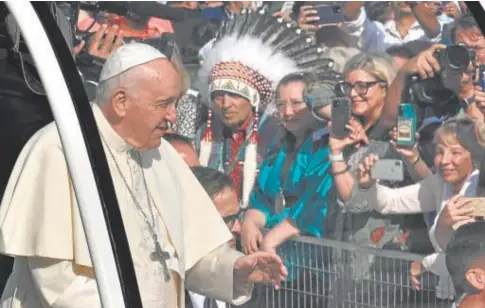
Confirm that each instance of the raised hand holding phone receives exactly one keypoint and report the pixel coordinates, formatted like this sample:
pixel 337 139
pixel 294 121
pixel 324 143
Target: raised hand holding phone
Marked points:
pixel 356 135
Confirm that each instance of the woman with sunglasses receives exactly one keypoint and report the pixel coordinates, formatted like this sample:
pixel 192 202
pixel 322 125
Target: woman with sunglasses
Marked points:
pixel 367 76
pixel 460 146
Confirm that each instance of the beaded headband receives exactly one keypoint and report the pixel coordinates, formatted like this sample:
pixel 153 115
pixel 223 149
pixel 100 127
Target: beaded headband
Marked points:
pixel 235 77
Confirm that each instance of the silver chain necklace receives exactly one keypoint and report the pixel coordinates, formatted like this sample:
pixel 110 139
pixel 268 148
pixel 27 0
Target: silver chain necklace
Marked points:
pixel 158 254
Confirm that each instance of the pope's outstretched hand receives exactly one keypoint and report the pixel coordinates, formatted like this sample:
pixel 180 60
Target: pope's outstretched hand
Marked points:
pixel 261 267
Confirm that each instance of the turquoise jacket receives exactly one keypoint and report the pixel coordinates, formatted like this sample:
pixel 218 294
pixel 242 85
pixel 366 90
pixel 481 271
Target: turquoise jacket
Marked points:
pixel 307 184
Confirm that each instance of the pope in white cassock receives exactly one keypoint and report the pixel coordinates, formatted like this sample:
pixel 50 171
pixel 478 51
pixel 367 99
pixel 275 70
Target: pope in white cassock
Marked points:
pixel 163 206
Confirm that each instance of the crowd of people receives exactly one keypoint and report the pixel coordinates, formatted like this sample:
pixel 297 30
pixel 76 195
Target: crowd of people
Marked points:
pixel 237 102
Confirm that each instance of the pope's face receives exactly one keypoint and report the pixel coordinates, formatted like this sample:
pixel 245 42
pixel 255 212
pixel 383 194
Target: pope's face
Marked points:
pixel 152 105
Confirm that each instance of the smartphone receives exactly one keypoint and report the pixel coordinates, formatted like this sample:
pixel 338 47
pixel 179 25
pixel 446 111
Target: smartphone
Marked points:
pixel 388 170
pixel 330 14
pixel 406 125
pixel 479 78
pixel 341 114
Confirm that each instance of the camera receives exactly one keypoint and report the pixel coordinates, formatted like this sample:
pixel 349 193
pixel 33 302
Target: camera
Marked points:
pixel 440 90
pixel 323 92
pixel 336 9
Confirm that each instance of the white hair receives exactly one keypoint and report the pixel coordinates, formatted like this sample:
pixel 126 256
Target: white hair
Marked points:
pixel 127 80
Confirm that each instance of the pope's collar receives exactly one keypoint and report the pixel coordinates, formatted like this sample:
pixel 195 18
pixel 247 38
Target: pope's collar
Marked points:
pixel 113 140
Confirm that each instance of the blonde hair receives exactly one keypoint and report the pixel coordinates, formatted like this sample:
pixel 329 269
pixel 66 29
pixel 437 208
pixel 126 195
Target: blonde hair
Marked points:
pixel 379 65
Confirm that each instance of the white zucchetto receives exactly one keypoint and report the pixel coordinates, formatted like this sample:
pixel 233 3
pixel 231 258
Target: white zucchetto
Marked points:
pixel 128 56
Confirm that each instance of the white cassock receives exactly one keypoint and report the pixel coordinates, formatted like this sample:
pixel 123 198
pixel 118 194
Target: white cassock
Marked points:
pixel 41 227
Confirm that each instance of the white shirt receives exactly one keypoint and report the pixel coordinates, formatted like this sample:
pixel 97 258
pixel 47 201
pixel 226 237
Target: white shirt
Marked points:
pixel 375 36
pixel 198 301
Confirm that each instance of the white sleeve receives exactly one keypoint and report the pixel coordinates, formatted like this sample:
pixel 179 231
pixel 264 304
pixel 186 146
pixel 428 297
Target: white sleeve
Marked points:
pixel 416 198
pixel 59 287
pixel 370 34
pixel 436 263
pixel 213 276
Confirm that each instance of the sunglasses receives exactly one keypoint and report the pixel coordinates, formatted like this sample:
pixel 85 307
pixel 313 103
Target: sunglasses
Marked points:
pixel 231 220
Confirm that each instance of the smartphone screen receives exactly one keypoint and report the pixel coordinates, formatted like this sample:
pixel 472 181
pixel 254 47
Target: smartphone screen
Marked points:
pixel 330 14
pixel 406 125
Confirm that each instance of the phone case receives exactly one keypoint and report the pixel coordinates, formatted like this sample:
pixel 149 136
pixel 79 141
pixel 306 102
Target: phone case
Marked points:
pixel 406 125
pixel 479 76
pixel 330 14
pixel 478 205
pixel 340 116
pixel 388 170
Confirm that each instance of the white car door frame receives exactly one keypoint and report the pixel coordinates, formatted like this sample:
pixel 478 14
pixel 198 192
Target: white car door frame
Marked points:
pixel 100 214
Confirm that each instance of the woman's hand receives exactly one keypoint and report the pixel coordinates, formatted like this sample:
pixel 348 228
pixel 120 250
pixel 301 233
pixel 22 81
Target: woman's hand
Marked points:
pixel 251 237
pixel 266 246
pixel 365 180
pixel 456 211
pixel 357 134
pixel 415 271
pixel 424 64
pixel 410 153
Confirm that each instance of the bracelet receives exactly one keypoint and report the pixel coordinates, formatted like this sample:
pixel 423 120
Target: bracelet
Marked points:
pixel 336 158
pixel 341 171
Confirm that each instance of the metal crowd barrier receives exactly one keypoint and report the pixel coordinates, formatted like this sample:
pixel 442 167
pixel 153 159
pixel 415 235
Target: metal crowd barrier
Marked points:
pixel 330 274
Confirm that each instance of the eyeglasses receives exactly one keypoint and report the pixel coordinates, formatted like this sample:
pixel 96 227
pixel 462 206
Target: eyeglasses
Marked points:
pixel 231 220
pixel 361 87
pixel 295 105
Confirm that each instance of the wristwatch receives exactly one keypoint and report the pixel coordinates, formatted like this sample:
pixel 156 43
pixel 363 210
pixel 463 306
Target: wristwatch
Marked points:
pixel 336 158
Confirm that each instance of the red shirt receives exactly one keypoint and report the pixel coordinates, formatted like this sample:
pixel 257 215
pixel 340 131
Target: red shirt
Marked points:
pixel 237 141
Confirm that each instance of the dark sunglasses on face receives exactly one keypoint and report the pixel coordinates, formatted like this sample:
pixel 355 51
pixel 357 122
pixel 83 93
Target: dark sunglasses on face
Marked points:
pixel 360 87
pixel 231 220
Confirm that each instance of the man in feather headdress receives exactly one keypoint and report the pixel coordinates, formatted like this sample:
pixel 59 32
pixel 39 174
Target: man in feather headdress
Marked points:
pixel 252 52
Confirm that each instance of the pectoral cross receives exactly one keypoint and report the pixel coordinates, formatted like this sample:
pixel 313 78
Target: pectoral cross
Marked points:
pixel 161 256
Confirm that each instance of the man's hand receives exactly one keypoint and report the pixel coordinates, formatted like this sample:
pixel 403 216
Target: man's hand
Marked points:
pixel 261 267
pixel 307 18
pixel 105 41
pixel 424 64
pixel 251 237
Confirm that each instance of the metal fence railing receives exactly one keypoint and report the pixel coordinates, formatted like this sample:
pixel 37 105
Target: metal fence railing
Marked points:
pixel 331 274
